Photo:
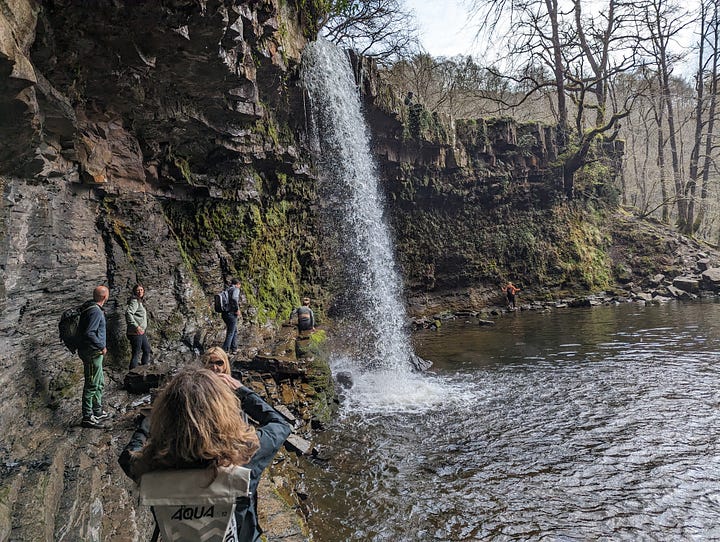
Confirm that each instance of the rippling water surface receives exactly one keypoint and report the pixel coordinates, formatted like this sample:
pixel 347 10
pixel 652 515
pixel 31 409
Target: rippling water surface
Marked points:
pixel 597 424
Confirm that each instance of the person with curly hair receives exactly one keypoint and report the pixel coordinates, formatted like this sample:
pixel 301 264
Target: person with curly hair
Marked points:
pixel 196 427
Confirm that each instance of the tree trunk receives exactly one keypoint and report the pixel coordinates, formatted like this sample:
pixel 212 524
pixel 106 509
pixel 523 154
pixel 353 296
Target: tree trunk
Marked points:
pixel 714 31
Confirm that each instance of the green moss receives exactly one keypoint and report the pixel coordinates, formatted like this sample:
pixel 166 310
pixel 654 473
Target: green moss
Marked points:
pixel 64 384
pixel 119 229
pixel 184 167
pixel 588 262
pixel 173 326
pixel 262 237
pixel 280 135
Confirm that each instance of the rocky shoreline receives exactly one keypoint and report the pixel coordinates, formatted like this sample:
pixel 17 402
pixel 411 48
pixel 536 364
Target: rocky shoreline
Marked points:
pixel 705 284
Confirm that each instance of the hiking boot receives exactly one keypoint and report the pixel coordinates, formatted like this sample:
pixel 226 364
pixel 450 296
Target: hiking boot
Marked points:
pixel 93 423
pixel 101 415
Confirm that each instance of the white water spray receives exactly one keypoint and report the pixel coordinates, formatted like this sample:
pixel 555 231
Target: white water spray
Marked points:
pixel 372 293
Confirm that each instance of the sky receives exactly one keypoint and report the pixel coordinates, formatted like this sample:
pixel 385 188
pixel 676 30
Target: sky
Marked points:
pixel 443 27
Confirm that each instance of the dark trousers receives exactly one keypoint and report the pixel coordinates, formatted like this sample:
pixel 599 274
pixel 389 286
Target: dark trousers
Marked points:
pixel 230 320
pixel 140 345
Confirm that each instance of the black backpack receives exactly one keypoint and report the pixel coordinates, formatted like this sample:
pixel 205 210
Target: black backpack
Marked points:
pixel 221 301
pixel 69 326
pixel 225 302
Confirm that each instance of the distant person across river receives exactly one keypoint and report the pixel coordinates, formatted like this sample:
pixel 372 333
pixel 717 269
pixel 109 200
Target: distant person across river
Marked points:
pixel 510 292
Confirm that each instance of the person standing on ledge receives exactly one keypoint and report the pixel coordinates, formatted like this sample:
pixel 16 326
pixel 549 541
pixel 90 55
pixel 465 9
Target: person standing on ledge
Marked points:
pixel 92 349
pixel 510 292
pixel 305 316
pixel 136 319
pixel 230 317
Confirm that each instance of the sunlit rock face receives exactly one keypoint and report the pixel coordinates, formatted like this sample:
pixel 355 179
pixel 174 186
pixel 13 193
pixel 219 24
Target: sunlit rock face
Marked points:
pixel 152 142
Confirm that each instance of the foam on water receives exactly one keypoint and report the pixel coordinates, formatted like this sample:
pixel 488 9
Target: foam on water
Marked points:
pixel 388 391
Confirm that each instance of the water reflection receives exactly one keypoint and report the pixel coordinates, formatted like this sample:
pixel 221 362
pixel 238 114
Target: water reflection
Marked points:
pixel 571 425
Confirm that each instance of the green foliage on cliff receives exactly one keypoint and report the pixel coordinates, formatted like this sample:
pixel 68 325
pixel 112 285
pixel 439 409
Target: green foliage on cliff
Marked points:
pixel 460 247
pixel 263 242
pixel 422 125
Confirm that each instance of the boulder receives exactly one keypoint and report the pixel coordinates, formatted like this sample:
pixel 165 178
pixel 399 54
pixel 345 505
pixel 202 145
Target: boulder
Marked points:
pixel 144 378
pixel 300 445
pixel 672 290
pixel 687 284
pixel 711 278
pixel 344 379
pixel 278 366
pixel 419 364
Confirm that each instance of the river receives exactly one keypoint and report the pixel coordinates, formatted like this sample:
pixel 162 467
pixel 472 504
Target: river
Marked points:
pixel 575 424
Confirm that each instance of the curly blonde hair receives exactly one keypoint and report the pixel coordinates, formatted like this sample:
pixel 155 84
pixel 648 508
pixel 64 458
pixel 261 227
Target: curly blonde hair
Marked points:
pixel 216 353
pixel 196 422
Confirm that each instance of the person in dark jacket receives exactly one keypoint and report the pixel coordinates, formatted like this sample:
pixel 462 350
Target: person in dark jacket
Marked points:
pixel 92 348
pixel 137 322
pixel 230 317
pixel 196 422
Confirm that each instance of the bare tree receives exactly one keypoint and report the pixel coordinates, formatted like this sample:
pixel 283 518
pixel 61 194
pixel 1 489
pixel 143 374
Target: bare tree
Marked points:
pixel 662 21
pixel 575 51
pixel 706 85
pixel 381 29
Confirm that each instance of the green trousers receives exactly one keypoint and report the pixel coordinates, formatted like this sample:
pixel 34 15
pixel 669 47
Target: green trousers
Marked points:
pixel 94 382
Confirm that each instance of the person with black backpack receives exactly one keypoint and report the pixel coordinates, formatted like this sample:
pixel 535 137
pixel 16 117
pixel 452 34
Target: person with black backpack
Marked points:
pixel 230 316
pixel 92 347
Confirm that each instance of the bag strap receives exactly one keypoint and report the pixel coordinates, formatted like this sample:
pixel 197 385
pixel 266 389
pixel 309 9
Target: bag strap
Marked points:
pixel 156 533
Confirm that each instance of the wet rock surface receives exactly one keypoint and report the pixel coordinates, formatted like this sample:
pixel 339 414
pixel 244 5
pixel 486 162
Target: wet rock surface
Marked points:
pixel 142 143
pixel 164 143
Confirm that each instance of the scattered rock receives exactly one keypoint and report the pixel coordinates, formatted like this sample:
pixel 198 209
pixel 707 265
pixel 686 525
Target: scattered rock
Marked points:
pixel 344 379
pixel 711 278
pixel 300 445
pixel 687 284
pixel 419 364
pixel 285 412
pixel 144 378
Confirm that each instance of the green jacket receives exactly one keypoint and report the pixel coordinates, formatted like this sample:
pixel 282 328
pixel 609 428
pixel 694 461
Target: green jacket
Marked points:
pixel 135 315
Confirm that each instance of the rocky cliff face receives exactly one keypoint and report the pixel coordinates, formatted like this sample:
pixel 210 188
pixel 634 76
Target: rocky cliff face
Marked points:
pixel 152 142
pixel 477 202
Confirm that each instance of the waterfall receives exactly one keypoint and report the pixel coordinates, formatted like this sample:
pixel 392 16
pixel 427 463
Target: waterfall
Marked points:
pixel 369 291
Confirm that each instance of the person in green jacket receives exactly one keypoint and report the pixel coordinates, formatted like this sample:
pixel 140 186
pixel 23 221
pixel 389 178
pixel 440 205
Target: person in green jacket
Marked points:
pixel 137 321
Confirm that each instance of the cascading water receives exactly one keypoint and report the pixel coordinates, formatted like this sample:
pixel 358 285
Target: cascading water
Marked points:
pixel 371 294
